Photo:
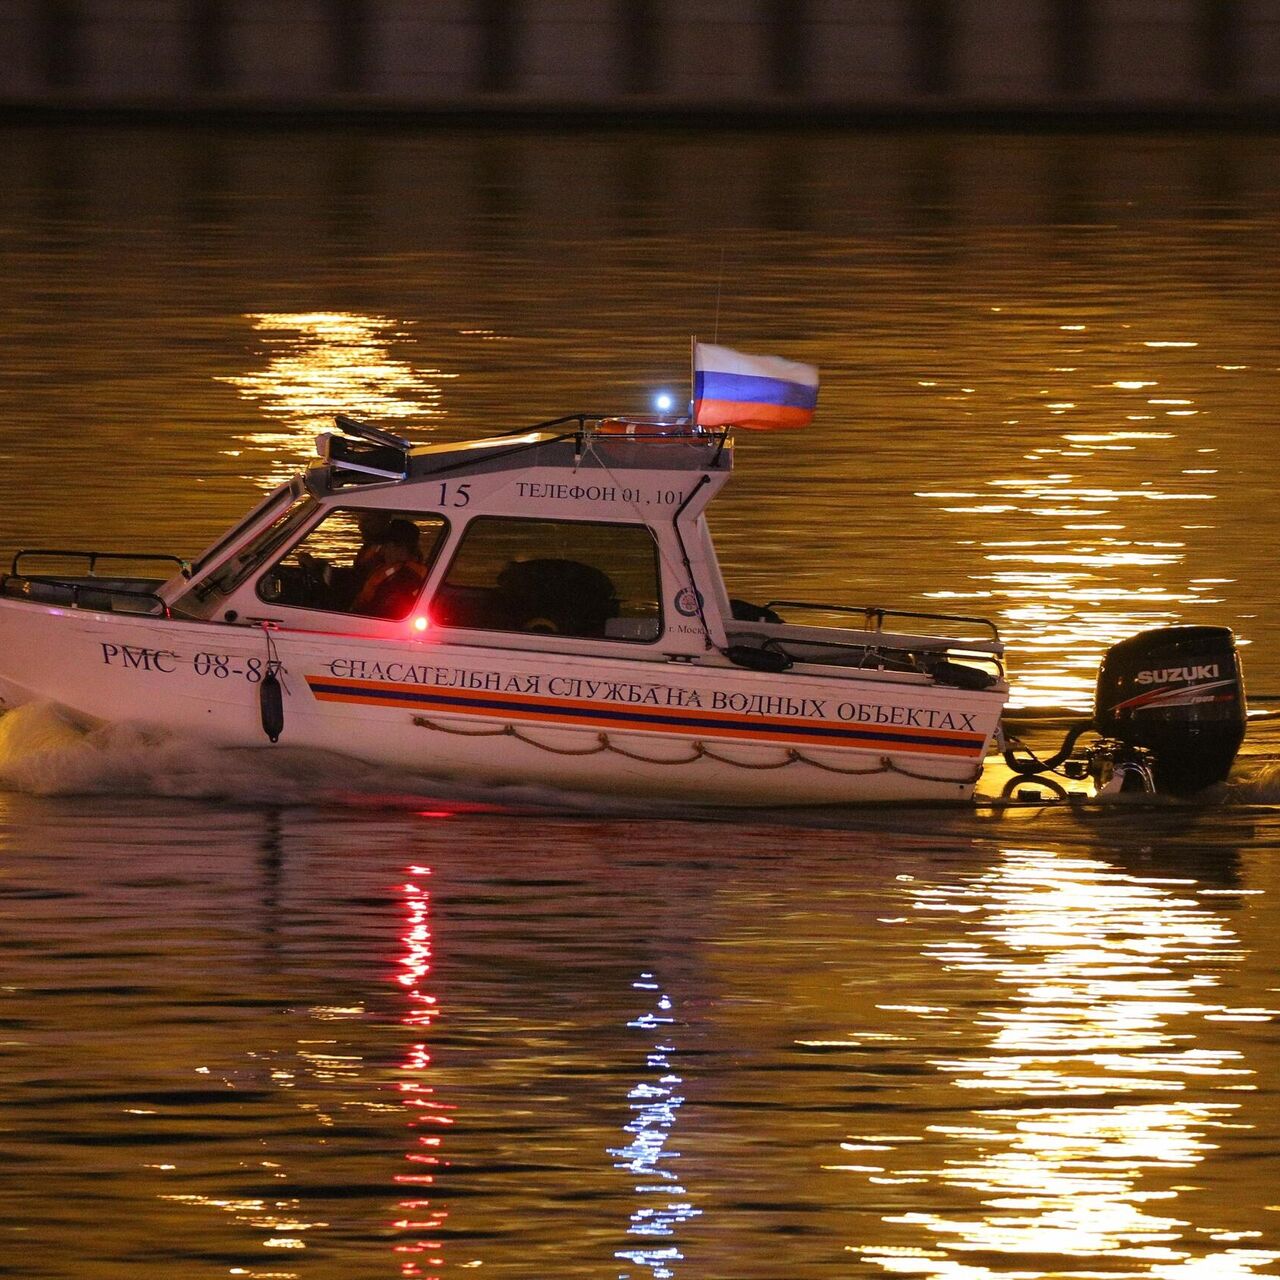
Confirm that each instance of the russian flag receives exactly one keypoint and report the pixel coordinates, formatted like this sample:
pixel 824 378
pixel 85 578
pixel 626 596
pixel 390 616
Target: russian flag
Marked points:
pixel 761 392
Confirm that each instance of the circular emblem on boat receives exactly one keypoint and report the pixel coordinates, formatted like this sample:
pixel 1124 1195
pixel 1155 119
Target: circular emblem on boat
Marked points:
pixel 688 602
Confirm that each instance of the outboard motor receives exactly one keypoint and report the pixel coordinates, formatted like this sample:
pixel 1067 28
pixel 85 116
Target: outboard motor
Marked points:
pixel 1177 695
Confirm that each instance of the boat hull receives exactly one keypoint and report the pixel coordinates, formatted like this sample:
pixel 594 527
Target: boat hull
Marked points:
pixel 488 715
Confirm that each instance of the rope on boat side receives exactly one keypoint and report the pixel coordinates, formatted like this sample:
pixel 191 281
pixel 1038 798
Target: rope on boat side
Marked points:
pixel 932 777
pixel 700 751
pixel 791 757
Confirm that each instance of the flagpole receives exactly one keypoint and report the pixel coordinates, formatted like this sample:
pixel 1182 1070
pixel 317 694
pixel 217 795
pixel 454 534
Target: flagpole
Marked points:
pixel 693 373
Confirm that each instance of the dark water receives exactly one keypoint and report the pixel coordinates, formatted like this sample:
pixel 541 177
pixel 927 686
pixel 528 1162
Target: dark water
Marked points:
pixel 275 1016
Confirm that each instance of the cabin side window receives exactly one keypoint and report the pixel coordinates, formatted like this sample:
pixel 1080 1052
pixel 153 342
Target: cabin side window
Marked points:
pixel 570 578
pixel 368 561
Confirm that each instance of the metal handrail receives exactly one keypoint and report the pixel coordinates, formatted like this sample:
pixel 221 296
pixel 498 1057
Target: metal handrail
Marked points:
pixel 691 433
pixel 94 556
pixel 874 615
pixel 951 646
pixel 76 588
pixel 578 436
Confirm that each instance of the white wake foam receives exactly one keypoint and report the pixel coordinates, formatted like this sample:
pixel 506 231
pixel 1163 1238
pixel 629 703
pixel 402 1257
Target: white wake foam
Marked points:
pixel 45 751
pixel 1254 784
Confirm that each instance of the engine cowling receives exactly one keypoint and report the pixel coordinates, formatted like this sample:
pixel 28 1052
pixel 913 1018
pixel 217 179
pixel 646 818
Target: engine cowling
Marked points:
pixel 1178 692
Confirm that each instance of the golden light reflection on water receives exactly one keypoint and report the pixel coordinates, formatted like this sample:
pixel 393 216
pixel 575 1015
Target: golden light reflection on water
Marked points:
pixel 1098 573
pixel 278 1220
pixel 321 364
pixel 1095 1093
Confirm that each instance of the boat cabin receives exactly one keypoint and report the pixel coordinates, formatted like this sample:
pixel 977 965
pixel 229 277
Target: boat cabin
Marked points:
pixel 581 532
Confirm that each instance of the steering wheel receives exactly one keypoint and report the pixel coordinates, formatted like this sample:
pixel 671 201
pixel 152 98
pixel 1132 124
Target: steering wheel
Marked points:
pixel 312 571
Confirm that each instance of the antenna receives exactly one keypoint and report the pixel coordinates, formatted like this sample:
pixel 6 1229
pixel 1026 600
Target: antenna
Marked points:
pixel 719 286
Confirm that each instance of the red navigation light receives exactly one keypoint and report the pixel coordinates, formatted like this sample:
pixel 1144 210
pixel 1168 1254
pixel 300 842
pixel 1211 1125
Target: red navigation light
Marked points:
pixel 421 622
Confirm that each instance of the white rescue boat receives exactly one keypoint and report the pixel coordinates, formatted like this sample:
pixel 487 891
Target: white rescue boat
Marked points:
pixel 540 608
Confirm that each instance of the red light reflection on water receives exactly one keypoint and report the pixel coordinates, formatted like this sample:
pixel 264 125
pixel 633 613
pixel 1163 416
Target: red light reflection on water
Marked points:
pixel 421 1256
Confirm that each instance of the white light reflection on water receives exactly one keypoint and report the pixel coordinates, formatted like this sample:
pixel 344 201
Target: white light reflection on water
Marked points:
pixel 1109 564
pixel 654 1103
pixel 1090 1108
pixel 324 363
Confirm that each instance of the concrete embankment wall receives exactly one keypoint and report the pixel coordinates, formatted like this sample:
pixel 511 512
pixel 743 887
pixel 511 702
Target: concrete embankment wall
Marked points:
pixel 834 57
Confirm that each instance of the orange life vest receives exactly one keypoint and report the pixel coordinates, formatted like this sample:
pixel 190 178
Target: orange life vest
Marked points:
pixel 389 591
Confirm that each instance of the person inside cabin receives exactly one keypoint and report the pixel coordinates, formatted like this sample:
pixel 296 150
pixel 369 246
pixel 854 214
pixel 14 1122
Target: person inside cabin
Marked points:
pixel 374 527
pixel 342 583
pixel 393 583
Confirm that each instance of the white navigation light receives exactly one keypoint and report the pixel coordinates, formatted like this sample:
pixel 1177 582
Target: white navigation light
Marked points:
pixel 663 402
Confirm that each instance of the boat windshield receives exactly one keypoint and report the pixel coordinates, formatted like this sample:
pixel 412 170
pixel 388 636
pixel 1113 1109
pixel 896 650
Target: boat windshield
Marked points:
pixel 232 572
pixel 277 498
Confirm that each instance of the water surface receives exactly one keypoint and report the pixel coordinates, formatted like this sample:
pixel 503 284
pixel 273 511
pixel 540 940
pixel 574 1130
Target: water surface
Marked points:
pixel 276 1016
